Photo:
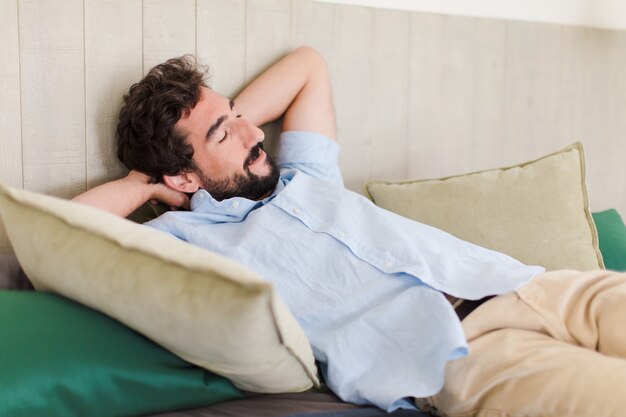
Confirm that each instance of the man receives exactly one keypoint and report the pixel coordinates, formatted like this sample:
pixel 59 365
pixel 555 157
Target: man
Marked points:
pixel 371 289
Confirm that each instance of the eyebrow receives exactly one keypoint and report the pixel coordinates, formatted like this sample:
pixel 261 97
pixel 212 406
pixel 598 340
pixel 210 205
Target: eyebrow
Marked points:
pixel 218 122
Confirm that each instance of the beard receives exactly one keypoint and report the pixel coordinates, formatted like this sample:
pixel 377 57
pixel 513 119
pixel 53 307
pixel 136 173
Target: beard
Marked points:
pixel 248 185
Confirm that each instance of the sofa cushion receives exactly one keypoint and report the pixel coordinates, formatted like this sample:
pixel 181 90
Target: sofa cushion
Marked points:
pixel 536 211
pixel 203 307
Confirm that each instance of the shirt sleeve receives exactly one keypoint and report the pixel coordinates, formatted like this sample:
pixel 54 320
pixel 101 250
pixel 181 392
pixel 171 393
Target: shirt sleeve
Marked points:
pixel 312 153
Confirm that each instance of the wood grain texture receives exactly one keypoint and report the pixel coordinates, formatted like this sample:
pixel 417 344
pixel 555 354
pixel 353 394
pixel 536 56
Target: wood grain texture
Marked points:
pixel 312 23
pixel 488 120
pixel 169 30
pixel 268 37
pixel 352 73
pixel 355 160
pixel 531 83
pixel 221 40
pixel 112 64
pixel 53 96
pixel 618 137
pixel 458 92
pixel 390 110
pixel 426 119
pixel 10 122
pixel 600 109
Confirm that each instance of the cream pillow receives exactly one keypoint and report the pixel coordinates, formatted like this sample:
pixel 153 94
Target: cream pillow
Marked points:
pixel 203 307
pixel 536 211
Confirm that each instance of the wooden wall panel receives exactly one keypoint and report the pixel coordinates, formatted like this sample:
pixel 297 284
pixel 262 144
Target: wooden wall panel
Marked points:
pixel 53 95
pixel 169 30
pixel 488 120
pixel 531 83
pixel 352 73
pixel 618 139
pixel 268 34
pixel 390 77
pixel 354 163
pixel 221 41
pixel 543 136
pixel 10 125
pixel 425 108
pixel 458 91
pixel 268 37
pixel 112 64
pixel 572 64
pixel 313 23
pixel 600 108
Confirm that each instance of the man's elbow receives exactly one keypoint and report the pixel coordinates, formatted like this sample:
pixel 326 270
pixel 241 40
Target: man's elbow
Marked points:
pixel 313 57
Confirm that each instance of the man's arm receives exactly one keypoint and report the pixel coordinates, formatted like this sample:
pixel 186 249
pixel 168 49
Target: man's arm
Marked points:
pixel 298 86
pixel 125 195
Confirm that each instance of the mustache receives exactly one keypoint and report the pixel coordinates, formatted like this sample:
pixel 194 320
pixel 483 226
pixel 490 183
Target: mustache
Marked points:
pixel 254 154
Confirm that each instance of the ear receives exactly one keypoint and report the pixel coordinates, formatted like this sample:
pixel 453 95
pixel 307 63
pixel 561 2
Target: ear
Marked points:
pixel 185 182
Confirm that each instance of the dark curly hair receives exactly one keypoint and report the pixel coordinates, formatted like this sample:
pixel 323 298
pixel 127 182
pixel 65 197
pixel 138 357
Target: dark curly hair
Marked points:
pixel 147 139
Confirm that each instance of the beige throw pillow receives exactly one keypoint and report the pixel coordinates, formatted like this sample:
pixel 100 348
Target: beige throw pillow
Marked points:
pixel 207 309
pixel 536 211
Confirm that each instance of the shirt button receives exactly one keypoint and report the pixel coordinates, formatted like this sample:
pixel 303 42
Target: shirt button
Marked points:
pixel 388 264
pixel 235 204
pixel 297 210
pixel 341 234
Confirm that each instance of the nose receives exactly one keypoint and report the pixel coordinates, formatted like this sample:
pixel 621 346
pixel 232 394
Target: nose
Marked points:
pixel 252 134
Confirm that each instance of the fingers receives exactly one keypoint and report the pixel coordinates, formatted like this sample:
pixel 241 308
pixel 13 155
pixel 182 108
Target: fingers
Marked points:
pixel 174 199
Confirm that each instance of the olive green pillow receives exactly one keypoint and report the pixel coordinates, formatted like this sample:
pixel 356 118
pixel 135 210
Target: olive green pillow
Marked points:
pixel 535 211
pixel 59 358
pixel 612 237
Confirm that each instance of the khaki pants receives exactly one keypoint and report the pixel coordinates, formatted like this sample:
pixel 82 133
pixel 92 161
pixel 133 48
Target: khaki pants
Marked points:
pixel 556 347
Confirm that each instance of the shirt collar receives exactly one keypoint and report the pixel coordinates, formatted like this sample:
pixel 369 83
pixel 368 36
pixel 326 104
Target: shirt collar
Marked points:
pixel 233 209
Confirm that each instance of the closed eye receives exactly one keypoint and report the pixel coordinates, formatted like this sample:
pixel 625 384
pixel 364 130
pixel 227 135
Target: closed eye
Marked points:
pixel 226 134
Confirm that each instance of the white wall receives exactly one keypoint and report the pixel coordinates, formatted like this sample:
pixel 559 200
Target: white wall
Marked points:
pixel 609 14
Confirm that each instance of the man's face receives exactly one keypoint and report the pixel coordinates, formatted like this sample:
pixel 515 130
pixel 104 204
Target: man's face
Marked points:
pixel 229 157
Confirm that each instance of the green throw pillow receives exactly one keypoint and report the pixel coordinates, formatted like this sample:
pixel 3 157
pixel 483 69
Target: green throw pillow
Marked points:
pixel 612 238
pixel 59 358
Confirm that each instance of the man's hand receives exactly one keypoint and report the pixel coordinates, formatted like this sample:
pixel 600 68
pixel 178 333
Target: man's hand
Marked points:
pixel 125 195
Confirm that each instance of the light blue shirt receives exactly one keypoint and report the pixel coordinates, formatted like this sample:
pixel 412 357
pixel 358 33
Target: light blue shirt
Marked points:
pixel 364 283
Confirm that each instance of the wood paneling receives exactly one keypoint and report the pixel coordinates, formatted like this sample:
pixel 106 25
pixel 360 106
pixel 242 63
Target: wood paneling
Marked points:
pixel 618 137
pixel 352 75
pixel 458 91
pixel 531 86
pixel 390 77
pixel 425 85
pixel 10 126
pixel 112 64
pixel 169 30
pixel 268 37
pixel 53 95
pixel 488 120
pixel 222 43
pixel 312 23
pixel 601 116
